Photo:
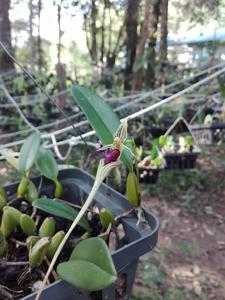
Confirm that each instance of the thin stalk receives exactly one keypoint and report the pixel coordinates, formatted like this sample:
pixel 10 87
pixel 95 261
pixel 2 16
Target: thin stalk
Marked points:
pixel 75 222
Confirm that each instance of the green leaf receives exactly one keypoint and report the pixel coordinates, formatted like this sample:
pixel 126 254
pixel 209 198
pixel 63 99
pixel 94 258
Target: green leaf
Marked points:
pixel 101 117
pixel 188 140
pixel 208 119
pixel 154 151
pixel 106 217
pixel 10 157
pixel 157 162
pixel 132 189
pixel 46 164
pixel 163 140
pixel 93 256
pixel 29 152
pixel 58 208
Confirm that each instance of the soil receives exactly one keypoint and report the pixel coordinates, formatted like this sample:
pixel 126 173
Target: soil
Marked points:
pixel 189 261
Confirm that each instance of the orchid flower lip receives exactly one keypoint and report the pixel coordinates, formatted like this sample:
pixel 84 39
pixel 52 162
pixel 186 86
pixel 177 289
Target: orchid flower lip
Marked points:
pixel 110 155
pixel 111 152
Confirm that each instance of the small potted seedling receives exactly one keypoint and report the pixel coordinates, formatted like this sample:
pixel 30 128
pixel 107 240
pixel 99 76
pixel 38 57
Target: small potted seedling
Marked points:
pixel 212 130
pixel 65 234
pixel 211 127
pixel 181 154
pixel 150 164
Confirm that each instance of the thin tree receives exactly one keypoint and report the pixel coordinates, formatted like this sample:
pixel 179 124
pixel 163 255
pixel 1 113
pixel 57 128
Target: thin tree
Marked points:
pixel 60 68
pixel 103 33
pixel 31 37
pixel 131 24
pixel 6 64
pixel 163 40
pixel 39 50
pixel 151 52
pixel 59 45
pixel 93 49
pixel 138 75
pixel 163 31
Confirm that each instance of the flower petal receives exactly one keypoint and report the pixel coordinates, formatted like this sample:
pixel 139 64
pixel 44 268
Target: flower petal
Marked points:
pixel 111 156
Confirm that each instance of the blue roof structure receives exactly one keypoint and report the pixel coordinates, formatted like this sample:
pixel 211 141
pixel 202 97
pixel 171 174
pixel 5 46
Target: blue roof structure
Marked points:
pixel 207 36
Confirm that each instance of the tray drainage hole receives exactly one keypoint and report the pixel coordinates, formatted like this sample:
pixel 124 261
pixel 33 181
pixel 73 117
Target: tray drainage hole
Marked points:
pixel 95 296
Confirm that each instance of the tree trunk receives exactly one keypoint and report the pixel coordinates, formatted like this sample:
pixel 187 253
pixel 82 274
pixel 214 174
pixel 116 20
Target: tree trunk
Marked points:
pixel 59 46
pixel 40 61
pixel 163 39
pixel 154 20
pixel 138 75
pixel 61 74
pixel 93 32
pixel 6 64
pixel 103 35
pixel 131 23
pixel 31 38
pixel 164 30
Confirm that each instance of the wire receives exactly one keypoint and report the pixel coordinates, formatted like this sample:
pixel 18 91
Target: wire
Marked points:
pixel 45 126
pixel 129 97
pixel 169 99
pixel 187 125
pixel 31 102
pixel 18 109
pixel 132 116
pixel 40 87
pixel 57 151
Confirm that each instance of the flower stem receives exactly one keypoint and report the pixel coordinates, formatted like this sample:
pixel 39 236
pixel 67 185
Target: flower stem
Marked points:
pixel 87 203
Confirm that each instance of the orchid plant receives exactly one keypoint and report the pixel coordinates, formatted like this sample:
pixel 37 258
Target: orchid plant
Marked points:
pixel 111 159
pixel 153 158
pixel 113 134
pixel 169 145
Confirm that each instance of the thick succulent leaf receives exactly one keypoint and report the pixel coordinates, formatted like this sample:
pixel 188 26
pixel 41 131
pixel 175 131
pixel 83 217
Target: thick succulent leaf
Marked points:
pixel 132 189
pixel 58 208
pixel 93 256
pixel 28 152
pixel 106 218
pixel 85 275
pixel 163 140
pixel 101 117
pixel 154 151
pixel 47 164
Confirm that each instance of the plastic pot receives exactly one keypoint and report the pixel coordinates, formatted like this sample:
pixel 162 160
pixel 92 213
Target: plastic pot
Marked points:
pixel 147 175
pixel 136 241
pixel 208 134
pixel 181 160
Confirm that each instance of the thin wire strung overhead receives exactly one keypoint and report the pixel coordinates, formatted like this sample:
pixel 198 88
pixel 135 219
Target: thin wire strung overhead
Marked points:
pixel 129 117
pixel 139 97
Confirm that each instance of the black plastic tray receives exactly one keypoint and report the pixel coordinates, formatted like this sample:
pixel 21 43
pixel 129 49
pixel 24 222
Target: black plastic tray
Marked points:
pixel 181 160
pixel 137 241
pixel 208 134
pixel 147 175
